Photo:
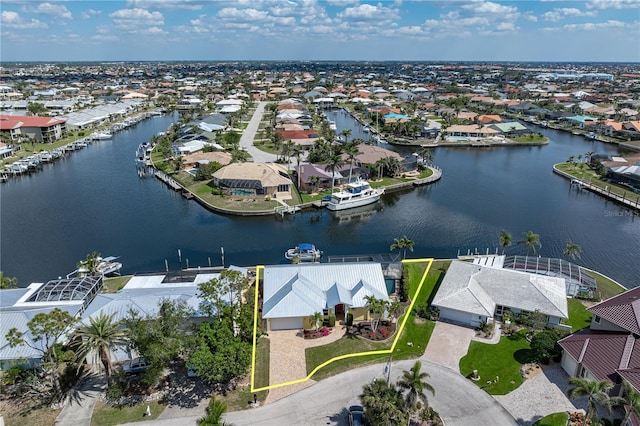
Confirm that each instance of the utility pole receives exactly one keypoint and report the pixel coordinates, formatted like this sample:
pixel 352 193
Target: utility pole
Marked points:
pixel 180 262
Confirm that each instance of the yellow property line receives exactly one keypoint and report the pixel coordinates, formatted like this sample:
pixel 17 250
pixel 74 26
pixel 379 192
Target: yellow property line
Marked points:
pixel 260 268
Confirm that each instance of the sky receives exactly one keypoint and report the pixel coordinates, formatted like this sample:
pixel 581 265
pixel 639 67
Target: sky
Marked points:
pixel 388 30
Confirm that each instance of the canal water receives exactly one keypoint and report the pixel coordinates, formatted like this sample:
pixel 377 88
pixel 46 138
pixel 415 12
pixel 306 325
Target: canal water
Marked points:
pixel 94 201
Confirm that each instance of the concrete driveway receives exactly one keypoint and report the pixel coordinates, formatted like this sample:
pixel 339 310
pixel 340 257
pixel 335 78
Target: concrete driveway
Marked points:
pixel 448 344
pixel 249 134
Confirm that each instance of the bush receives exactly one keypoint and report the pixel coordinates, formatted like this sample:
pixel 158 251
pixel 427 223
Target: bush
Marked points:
pixel 11 375
pixel 332 320
pixel 349 319
pixel 545 345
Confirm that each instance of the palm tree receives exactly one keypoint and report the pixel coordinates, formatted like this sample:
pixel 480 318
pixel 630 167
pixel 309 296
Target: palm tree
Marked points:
pixel 316 319
pixel 313 180
pixel 426 155
pixel 377 308
pixel 631 401
pixel 334 163
pixel 380 164
pixel 588 155
pixel 214 412
pixel 296 152
pixel 383 403
pixel 595 391
pixel 572 250
pixel 505 239
pixel 351 151
pixel 413 382
pixel 91 264
pixel 98 337
pixel 403 243
pixel 530 241
pixel 7 282
pixel 346 133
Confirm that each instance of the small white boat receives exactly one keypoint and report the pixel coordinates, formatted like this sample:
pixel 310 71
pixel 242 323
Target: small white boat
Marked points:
pixel 304 252
pixel 356 194
pixel 332 125
pixel 107 266
pixel 100 136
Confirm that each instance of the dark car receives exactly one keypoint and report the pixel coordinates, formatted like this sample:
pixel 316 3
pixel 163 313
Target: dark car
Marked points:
pixel 356 415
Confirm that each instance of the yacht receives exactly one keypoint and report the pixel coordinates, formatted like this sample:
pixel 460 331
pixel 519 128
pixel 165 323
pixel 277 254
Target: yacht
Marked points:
pixel 356 194
pixel 100 136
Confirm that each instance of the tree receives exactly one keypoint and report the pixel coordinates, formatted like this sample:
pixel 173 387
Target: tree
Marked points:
pixel 377 308
pixel 46 331
pixel 571 250
pixel 596 393
pixel 220 356
pixel 392 165
pixel 505 239
pixel 296 152
pixel 334 163
pixel 530 241
pixel 351 151
pixel 403 243
pixel 413 383
pixel 426 155
pixel 630 400
pixel 313 180
pixel 36 108
pixel 316 319
pixel 222 292
pixel 98 338
pixel 7 282
pixel 90 266
pixel 536 320
pixel 214 412
pixel 346 133
pixel 383 404
pixel 545 345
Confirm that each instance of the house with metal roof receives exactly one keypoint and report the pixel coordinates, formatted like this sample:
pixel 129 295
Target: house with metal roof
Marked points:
pixel 293 293
pixel 471 294
pixel 610 348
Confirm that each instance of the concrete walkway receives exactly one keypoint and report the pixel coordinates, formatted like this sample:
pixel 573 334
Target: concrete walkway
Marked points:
pixel 249 134
pixel 79 408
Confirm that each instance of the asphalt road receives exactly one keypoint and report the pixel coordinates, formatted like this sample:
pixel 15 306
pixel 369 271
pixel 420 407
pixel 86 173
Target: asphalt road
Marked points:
pixel 249 134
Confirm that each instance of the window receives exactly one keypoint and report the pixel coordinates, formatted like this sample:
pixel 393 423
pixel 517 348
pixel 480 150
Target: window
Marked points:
pixel 596 319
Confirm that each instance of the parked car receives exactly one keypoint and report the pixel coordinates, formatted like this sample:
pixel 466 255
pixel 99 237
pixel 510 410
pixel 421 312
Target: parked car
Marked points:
pixel 136 365
pixel 356 415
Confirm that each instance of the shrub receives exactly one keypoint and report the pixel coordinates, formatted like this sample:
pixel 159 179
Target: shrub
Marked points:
pixel 332 320
pixel 349 319
pixel 545 345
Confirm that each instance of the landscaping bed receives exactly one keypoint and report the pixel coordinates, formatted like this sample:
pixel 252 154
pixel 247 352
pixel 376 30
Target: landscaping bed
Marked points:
pixel 363 330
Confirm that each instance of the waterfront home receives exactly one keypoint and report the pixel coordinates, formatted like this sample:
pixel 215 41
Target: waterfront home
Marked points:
pixel 251 179
pixel 293 293
pixel 511 128
pixel 624 170
pixel 42 129
pixel 314 178
pixel 471 130
pixel 471 294
pixel 194 160
pixel 610 348
pixel 488 119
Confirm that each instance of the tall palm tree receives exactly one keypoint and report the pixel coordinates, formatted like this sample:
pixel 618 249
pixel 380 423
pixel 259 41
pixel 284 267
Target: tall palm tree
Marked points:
pixel 346 133
pixel 98 337
pixel 296 152
pixel 313 180
pixel 588 155
pixel 505 239
pixel 7 282
pixel 530 241
pixel 426 155
pixel 334 163
pixel 351 151
pixel 572 250
pixel 596 393
pixel 91 264
pixel 631 401
pixel 380 164
pixel 413 382
pixel 383 403
pixel 403 243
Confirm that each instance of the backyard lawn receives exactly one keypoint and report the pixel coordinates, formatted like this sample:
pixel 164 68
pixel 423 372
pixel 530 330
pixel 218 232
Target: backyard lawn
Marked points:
pixel 579 317
pixel 502 360
pixel 555 419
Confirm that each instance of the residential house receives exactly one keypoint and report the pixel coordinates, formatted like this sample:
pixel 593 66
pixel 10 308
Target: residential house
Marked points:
pixel 251 179
pixel 293 293
pixel 471 294
pixel 610 348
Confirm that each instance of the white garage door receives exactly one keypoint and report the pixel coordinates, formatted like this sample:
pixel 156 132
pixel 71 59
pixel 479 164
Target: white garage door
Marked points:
pixel 464 318
pixel 286 323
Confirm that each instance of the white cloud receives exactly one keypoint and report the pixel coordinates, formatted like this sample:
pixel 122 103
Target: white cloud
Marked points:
pixel 341 3
pixel 506 26
pixel 613 4
pixel 233 14
pixel 10 19
pixel 368 12
pixel 489 7
pixel 166 4
pixel 136 20
pixel 55 10
pixel 89 13
pixel 564 12
pixel 611 24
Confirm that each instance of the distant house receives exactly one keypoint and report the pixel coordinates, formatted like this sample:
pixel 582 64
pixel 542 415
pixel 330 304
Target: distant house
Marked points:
pixel 42 129
pixel 610 348
pixel 293 293
pixel 253 179
pixel 625 170
pixel 511 128
pixel 471 130
pixel 471 294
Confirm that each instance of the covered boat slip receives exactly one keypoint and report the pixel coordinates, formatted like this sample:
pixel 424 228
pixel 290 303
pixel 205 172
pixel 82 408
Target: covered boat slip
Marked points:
pixel 303 252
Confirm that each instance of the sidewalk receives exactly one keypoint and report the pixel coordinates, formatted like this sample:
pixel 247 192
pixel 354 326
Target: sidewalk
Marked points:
pixel 79 408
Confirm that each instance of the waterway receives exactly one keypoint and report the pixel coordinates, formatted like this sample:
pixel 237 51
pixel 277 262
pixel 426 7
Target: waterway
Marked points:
pixel 94 200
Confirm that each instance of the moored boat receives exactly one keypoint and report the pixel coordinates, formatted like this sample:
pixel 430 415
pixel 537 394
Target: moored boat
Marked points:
pixel 303 252
pixel 355 194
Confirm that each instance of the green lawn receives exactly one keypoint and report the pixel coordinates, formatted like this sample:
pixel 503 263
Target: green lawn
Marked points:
pixel 533 137
pixel 417 331
pixel 579 317
pixel 114 284
pixel 555 419
pixel 262 370
pixel 606 286
pixel 590 175
pixel 106 415
pixel 502 359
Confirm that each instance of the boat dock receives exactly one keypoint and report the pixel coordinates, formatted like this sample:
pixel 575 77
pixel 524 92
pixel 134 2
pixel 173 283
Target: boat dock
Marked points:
pixel 171 183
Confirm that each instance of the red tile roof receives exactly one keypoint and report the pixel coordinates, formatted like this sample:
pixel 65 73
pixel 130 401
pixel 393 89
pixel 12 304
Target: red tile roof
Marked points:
pixel 622 310
pixel 8 122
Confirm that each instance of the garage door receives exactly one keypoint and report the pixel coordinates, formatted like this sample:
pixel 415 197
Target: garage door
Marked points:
pixel 286 323
pixel 464 318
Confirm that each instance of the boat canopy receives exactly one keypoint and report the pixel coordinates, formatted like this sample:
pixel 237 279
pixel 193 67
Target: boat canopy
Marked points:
pixel 306 246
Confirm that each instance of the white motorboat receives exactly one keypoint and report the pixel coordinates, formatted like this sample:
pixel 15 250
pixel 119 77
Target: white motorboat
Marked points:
pixel 107 266
pixel 303 252
pixel 100 136
pixel 356 194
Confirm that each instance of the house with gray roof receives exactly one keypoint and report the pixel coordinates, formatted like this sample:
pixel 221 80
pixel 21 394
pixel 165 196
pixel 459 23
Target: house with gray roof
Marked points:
pixel 471 294
pixel 293 293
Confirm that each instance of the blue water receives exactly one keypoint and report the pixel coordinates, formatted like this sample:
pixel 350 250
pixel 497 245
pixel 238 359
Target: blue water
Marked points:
pixel 94 200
